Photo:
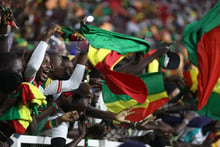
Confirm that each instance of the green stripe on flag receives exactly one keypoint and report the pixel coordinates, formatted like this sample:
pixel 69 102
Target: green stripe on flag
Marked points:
pixel 212 109
pixel 154 82
pixel 123 44
pixel 11 114
pixel 194 31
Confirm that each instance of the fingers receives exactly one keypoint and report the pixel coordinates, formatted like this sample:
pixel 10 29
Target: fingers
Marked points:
pixel 127 121
pixel 83 21
pixel 151 118
pixel 129 113
pixel 75 115
pixel 71 116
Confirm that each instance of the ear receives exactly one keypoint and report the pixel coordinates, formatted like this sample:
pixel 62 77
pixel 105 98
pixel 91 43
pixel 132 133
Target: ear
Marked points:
pixel 52 67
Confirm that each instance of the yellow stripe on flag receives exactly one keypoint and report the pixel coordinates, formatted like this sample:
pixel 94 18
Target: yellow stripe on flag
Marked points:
pixel 118 106
pixel 158 96
pixel 97 55
pixel 194 73
pixel 39 98
pixel 217 87
pixel 25 115
pixel 153 66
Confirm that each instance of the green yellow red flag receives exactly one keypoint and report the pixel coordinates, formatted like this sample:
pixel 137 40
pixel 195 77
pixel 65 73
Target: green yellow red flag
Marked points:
pixel 201 39
pixel 157 96
pixel 19 116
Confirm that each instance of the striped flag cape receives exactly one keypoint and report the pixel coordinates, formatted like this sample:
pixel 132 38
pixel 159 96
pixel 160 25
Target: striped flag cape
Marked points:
pixel 19 116
pixel 108 48
pixel 201 38
pixel 157 96
pixel 211 109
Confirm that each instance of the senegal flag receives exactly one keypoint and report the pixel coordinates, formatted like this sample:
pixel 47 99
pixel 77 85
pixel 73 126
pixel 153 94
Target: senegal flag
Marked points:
pixel 19 116
pixel 157 96
pixel 201 38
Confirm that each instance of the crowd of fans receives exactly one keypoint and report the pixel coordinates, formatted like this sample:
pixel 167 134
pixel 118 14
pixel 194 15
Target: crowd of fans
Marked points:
pixel 47 87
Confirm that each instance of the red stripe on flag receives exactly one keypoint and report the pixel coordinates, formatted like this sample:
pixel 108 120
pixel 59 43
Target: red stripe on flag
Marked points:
pixel 17 127
pixel 141 112
pixel 26 93
pixel 188 78
pixel 111 59
pixel 122 83
pixel 208 53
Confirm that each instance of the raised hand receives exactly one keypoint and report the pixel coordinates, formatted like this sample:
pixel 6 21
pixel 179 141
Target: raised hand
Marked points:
pixel 167 45
pixel 80 42
pixel 49 32
pixel 164 48
pixel 123 114
pixel 83 21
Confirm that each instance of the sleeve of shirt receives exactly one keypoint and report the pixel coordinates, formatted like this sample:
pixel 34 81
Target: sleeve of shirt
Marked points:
pixel 74 81
pixel 35 61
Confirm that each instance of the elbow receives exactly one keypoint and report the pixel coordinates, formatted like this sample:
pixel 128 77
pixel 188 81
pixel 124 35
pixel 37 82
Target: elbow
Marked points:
pixel 31 70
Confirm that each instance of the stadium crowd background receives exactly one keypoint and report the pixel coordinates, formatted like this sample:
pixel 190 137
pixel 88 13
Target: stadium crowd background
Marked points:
pixel 154 20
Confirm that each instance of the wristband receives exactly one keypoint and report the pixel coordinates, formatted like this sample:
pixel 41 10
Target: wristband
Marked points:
pixel 55 105
pixel 50 124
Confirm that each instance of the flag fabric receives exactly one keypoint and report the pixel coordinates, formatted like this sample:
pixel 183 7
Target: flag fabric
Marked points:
pixel 121 43
pixel 108 48
pixel 157 96
pixel 191 79
pixel 201 38
pixel 118 83
pixel 19 116
pixel 211 108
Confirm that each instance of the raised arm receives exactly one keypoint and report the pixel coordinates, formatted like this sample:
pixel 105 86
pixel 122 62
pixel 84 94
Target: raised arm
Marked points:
pixel 38 54
pixel 76 78
pixel 6 14
pixel 107 115
pixel 139 63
